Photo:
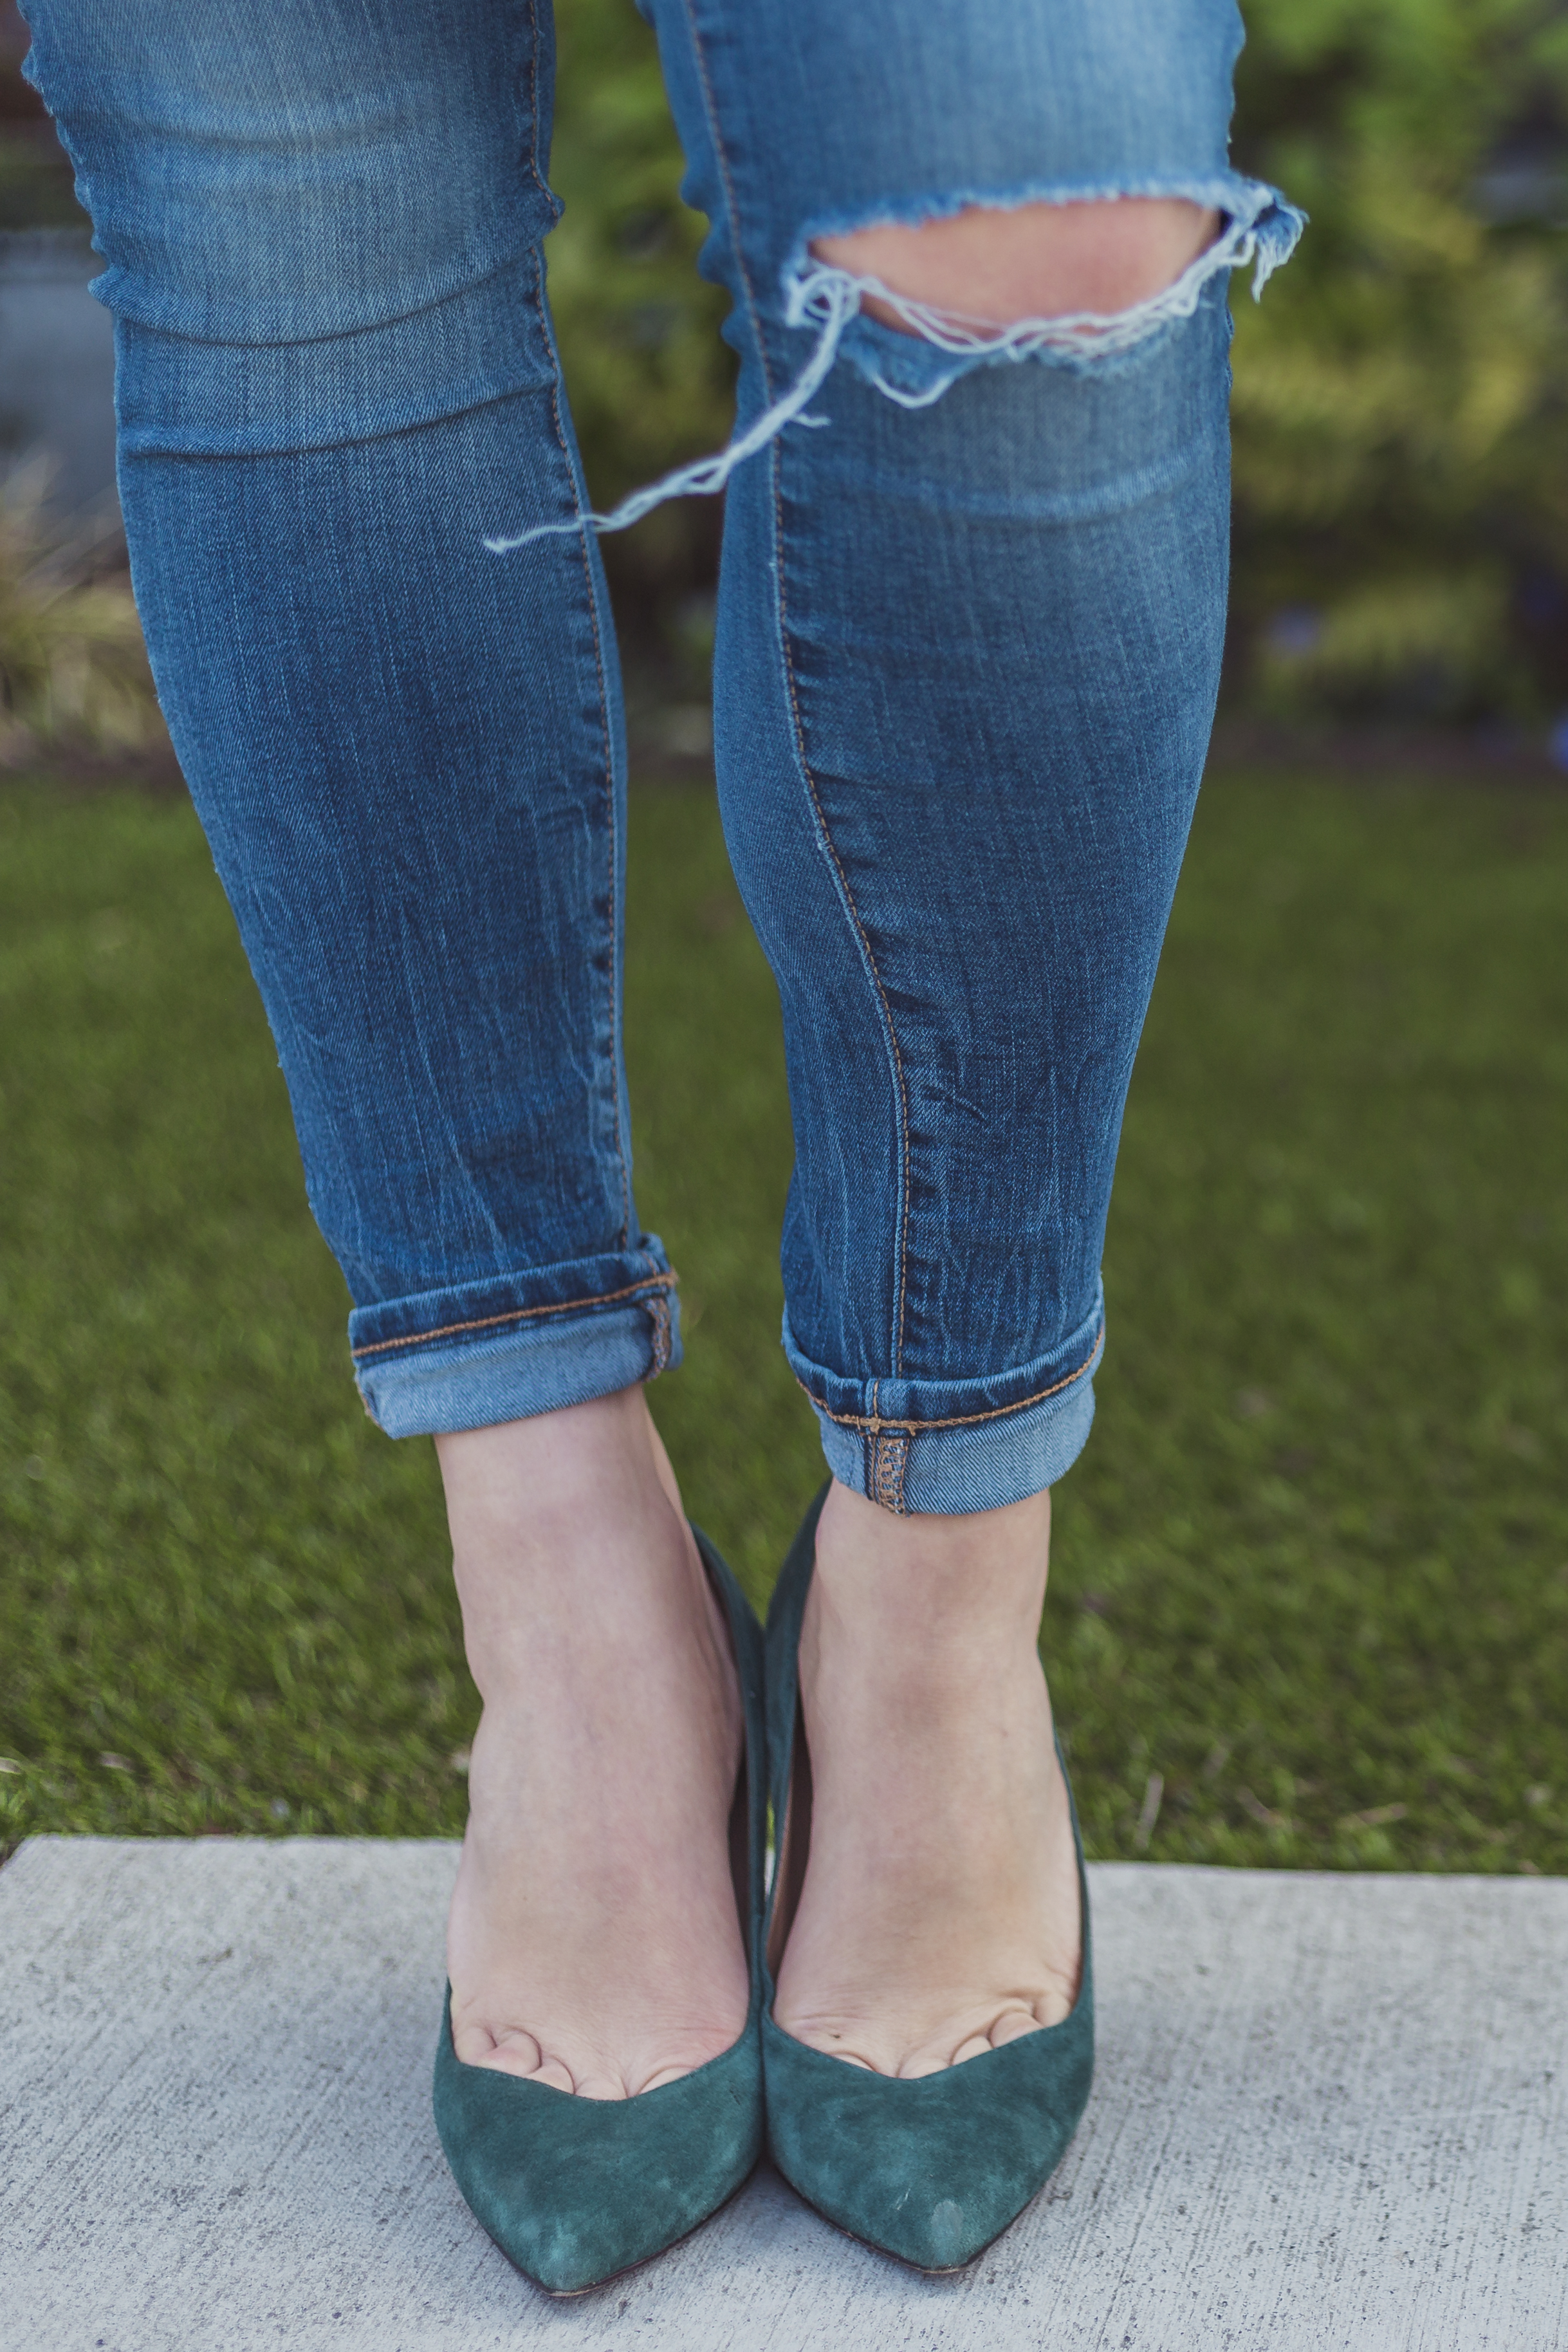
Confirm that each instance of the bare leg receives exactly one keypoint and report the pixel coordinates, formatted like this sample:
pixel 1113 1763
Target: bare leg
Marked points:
pixel 939 1913
pixel 594 1942
pixel 1040 261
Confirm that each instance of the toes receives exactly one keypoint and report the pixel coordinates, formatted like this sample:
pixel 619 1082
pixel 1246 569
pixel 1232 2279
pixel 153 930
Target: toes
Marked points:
pixel 657 2082
pixel 516 2053
pixel 602 2086
pixel 923 2061
pixel 554 2074
pixel 1015 2023
pixel 933 2056
pixel 510 2051
pixel 831 2046
pixel 829 2039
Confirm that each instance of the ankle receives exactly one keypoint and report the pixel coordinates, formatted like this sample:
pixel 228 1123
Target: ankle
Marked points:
pixel 938 1599
pixel 567 1541
pixel 601 1457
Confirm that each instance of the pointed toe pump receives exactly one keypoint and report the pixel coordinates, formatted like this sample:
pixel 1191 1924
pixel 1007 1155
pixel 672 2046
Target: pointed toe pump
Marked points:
pixel 576 2190
pixel 931 2169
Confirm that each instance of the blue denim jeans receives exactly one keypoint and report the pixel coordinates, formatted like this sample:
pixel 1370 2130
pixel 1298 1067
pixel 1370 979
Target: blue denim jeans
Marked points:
pixel 970 627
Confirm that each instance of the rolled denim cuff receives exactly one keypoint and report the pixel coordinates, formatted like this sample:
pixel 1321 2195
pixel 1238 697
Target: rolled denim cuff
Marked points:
pixel 958 1445
pixel 505 1350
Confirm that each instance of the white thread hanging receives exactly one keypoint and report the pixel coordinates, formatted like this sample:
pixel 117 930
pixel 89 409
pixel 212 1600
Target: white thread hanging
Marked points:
pixel 835 303
pixel 829 298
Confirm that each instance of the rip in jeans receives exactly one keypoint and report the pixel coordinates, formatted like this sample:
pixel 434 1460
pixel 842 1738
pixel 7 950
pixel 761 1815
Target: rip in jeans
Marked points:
pixel 1261 228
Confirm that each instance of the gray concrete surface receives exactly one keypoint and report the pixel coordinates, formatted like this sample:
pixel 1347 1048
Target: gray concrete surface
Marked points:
pixel 1331 2112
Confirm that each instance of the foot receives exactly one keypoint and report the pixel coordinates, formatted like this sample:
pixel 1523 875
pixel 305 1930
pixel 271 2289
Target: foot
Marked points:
pixel 938 1917
pixel 594 1941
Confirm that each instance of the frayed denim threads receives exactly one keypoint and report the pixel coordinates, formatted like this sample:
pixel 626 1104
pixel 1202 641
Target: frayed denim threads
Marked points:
pixel 1260 232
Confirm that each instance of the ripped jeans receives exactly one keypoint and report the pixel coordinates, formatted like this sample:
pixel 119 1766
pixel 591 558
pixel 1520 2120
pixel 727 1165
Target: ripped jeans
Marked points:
pixel 970 615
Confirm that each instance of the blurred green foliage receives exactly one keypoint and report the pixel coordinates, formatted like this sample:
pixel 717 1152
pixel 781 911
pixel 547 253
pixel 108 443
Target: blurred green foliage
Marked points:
pixel 639 329
pixel 73 669
pixel 1401 426
pixel 1401 432
pixel 650 379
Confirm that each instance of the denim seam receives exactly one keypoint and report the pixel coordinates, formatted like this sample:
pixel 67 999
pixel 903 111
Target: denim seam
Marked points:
pixel 851 910
pixel 539 179
pixel 658 1283
pixel 626 1233
pixel 824 836
pixel 710 109
pixel 873 1422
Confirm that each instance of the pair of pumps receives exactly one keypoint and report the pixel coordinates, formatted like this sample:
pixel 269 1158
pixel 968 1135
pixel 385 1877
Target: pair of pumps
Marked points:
pixel 576 2190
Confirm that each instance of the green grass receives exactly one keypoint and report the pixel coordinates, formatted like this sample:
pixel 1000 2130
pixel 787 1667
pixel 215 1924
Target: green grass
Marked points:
pixel 1314 1565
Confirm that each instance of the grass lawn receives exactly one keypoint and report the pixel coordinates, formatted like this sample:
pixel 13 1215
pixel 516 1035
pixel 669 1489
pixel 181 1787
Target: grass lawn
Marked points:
pixel 1310 1585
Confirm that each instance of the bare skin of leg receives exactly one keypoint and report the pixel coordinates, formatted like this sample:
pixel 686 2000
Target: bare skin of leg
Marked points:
pixel 594 1942
pixel 1040 261
pixel 939 1913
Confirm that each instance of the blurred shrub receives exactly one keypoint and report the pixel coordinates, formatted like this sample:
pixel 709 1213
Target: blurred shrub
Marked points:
pixel 35 177
pixel 1401 403
pixel 73 673
pixel 1401 431
pixel 639 329
pixel 1401 427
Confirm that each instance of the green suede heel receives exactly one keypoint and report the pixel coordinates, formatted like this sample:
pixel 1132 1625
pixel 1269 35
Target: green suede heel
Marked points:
pixel 934 2169
pixel 574 2190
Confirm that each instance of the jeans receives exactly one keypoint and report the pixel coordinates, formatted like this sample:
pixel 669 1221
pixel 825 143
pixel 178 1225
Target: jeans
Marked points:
pixel 970 614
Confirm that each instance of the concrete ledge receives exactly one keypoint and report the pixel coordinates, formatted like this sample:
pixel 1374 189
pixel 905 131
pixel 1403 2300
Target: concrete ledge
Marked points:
pixel 1331 2112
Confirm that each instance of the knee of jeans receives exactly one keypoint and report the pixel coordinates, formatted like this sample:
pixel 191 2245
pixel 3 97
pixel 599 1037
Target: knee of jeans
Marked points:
pixel 260 176
pixel 320 224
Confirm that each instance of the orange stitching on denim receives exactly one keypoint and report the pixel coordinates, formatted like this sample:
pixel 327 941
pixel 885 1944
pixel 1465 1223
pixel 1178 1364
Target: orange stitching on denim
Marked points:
pixel 625 1233
pixel 656 1281
pixel 876 1422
